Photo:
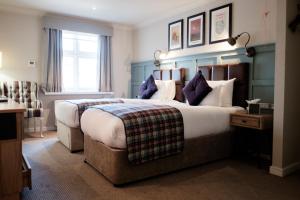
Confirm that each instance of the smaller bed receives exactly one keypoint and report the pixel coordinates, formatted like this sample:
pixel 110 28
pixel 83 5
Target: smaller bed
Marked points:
pixel 67 115
pixel 207 133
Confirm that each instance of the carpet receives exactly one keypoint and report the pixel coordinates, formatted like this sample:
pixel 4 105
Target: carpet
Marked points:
pixel 59 175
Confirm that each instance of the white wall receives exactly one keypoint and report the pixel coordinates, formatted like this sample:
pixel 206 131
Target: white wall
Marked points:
pixel 279 86
pixel 121 60
pixel 247 16
pixel 286 149
pixel 20 37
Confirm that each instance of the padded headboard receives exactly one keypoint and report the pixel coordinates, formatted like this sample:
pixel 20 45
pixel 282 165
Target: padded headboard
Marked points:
pixel 229 71
pixel 173 74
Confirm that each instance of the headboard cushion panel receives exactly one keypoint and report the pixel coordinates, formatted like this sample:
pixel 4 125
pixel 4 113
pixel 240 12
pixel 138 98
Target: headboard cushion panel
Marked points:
pixel 173 74
pixel 229 71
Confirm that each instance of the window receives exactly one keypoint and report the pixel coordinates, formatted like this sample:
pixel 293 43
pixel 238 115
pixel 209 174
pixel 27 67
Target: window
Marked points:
pixel 80 68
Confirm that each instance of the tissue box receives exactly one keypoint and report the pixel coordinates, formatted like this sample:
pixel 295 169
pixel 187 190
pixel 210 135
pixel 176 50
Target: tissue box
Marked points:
pixel 254 108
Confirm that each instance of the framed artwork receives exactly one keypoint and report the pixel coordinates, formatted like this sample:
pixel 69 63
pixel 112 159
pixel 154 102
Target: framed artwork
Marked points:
pixel 196 30
pixel 175 35
pixel 220 21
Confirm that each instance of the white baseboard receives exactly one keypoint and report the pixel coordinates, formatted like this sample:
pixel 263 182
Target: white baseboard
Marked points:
pixel 282 172
pixel 45 128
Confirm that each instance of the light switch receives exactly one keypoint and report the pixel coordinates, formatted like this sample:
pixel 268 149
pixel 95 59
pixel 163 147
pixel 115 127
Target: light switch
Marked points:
pixel 31 63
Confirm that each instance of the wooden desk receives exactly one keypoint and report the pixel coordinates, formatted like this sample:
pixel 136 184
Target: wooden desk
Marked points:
pixel 11 131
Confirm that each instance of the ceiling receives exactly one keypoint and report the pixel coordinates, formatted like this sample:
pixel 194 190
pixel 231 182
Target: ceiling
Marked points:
pixel 130 12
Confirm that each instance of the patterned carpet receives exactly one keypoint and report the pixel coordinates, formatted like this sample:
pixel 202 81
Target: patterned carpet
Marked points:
pixel 60 175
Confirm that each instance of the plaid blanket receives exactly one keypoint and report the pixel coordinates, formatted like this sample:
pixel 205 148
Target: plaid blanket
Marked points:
pixel 83 104
pixel 152 131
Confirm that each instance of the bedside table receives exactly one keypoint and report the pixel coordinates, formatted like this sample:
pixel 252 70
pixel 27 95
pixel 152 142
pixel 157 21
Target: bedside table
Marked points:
pixel 258 128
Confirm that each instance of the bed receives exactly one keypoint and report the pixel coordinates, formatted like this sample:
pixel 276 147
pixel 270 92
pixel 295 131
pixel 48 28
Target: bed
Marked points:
pixel 67 116
pixel 105 146
pixel 68 124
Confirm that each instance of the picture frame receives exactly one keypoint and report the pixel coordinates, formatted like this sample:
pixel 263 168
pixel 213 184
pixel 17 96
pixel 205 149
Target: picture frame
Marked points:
pixel 220 24
pixel 175 35
pixel 196 30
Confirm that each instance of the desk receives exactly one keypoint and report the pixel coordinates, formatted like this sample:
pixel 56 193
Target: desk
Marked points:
pixel 11 162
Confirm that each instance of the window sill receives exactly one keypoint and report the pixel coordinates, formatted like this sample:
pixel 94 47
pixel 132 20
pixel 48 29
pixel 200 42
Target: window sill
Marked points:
pixel 75 93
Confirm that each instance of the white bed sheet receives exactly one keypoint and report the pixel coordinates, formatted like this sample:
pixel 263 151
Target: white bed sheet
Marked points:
pixel 67 112
pixel 198 121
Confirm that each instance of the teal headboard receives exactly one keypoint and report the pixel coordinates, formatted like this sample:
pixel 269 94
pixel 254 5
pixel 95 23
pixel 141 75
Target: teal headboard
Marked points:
pixel 261 74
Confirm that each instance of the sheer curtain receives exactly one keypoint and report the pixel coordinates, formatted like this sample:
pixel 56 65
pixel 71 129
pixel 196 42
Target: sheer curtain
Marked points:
pixel 54 55
pixel 105 64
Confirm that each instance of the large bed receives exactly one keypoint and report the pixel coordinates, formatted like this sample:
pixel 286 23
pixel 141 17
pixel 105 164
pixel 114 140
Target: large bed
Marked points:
pixel 207 134
pixel 67 115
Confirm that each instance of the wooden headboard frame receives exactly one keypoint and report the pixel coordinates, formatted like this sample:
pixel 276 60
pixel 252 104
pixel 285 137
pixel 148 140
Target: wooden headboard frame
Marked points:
pixel 229 71
pixel 173 74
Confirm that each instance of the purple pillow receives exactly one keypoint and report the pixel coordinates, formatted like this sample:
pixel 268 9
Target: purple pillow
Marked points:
pixel 197 89
pixel 148 88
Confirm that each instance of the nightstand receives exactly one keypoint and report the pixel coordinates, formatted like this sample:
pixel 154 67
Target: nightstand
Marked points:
pixel 257 129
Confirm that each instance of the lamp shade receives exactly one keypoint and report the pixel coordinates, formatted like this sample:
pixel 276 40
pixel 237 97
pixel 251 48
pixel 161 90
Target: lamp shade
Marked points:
pixel 231 41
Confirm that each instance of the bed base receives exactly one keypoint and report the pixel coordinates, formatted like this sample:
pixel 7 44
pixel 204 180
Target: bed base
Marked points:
pixel 70 137
pixel 114 165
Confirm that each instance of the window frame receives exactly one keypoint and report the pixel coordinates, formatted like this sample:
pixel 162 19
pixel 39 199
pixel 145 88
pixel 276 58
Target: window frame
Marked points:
pixel 76 54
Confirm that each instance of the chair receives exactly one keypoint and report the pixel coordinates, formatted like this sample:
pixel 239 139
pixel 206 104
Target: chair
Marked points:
pixel 25 92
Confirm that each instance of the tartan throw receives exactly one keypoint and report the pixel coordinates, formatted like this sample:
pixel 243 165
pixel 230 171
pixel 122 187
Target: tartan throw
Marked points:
pixel 152 131
pixel 83 104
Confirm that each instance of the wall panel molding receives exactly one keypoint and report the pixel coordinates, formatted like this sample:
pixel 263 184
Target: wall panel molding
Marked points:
pixel 261 74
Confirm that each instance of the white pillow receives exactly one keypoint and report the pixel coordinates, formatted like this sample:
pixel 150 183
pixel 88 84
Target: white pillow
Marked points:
pixel 226 91
pixel 166 90
pixel 214 97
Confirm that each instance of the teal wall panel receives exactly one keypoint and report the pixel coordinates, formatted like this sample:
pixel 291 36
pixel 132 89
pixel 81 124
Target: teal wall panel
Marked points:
pixel 261 74
pixel 265 92
pixel 264 66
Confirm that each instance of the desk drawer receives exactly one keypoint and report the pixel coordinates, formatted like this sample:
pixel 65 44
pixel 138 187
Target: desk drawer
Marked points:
pixel 26 173
pixel 250 122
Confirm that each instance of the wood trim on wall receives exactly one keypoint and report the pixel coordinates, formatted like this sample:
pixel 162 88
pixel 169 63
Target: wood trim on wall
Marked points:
pixel 261 74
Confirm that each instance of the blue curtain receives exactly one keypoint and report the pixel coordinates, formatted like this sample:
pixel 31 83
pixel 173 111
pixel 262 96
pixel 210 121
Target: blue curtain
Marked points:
pixel 54 60
pixel 105 64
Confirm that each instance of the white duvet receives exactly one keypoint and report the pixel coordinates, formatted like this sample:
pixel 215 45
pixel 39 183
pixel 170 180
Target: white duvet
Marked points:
pixel 198 121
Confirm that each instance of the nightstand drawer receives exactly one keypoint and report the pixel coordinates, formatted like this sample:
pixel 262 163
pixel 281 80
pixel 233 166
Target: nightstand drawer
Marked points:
pixel 251 122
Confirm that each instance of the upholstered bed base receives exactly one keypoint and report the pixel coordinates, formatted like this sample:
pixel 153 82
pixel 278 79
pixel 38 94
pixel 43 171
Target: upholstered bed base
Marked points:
pixel 114 165
pixel 71 137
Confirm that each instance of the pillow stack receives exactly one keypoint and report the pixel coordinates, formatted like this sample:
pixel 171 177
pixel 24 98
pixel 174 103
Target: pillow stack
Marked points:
pixel 225 92
pixel 220 93
pixel 158 89
pixel 197 89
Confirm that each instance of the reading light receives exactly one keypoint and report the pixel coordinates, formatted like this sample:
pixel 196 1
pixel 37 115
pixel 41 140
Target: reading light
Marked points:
pixel 250 52
pixel 157 57
pixel 0 59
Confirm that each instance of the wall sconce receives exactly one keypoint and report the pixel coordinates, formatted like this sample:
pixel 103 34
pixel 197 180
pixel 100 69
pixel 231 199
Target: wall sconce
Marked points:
pixel 157 57
pixel 250 52
pixel 0 59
